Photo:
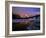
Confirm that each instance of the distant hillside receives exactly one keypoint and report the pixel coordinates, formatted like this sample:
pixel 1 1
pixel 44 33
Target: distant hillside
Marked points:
pixel 16 16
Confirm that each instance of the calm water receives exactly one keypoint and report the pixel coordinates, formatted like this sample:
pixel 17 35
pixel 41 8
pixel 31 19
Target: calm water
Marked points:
pixel 26 24
pixel 23 20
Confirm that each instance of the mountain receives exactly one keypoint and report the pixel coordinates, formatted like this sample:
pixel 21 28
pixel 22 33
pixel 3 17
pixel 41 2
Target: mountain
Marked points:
pixel 23 16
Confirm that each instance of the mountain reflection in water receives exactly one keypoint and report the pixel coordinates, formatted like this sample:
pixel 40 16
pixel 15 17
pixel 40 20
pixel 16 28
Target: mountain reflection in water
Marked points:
pixel 26 24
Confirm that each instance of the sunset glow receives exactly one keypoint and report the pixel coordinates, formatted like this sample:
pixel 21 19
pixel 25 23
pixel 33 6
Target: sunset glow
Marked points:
pixel 25 12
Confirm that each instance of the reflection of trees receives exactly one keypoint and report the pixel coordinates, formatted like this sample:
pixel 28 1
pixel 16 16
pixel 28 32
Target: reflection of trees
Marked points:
pixel 21 26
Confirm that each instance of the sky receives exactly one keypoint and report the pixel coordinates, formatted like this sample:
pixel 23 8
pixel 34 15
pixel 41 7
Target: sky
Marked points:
pixel 26 10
